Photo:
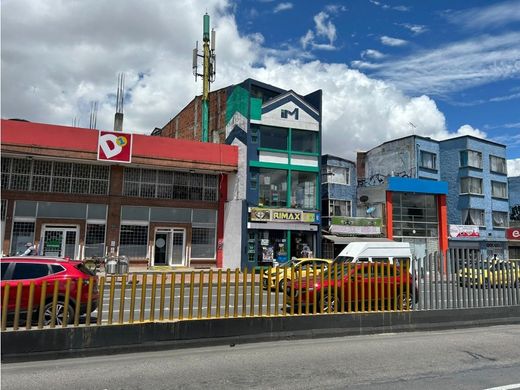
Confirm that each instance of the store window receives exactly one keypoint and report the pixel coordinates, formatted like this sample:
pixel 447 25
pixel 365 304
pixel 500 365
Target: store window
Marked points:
pixel 414 215
pixel 95 240
pixel 471 185
pixel 23 232
pixel 428 160
pixel 473 217
pixel 272 188
pixel 337 175
pixel 499 219
pixel 202 243
pixel 471 158
pixel 273 137
pixel 498 189
pixel 303 190
pixel 302 244
pixel 271 246
pixel 497 165
pixel 133 241
pixel 304 141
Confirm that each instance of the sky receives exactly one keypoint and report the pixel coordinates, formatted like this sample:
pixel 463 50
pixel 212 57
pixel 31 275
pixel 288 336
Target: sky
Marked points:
pixel 387 69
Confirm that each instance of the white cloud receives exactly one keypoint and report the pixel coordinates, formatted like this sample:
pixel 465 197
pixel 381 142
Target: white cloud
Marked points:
pixel 324 29
pixel 470 130
pixel 401 8
pixel 371 53
pixel 456 66
pixel 494 15
pixel 415 28
pixel 389 41
pixel 513 167
pixel 283 7
pixel 51 76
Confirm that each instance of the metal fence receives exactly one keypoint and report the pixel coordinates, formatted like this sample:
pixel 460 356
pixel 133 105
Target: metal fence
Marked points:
pixel 460 280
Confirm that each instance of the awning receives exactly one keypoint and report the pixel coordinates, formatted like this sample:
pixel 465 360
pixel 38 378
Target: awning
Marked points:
pixel 342 240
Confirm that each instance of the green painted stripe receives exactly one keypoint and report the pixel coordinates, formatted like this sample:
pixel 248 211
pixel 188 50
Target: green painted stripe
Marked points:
pixel 303 168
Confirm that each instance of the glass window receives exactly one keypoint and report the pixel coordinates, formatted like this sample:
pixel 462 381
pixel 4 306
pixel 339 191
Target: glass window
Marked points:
pixel 272 188
pixel 414 215
pixel 304 141
pixel 338 175
pixel 61 210
pixel 203 243
pixel 135 213
pixel 97 211
pixel 55 268
pixel 340 208
pixel 29 271
pixel 499 219
pixel 471 185
pixel 133 241
pixel 268 246
pixel 498 189
pixel 497 164
pixel 25 208
pixel 170 214
pixel 95 240
pixel 473 217
pixel 303 191
pixel 302 244
pixel 273 137
pixel 471 158
pixel 23 232
pixel 4 269
pixel 428 160
pixel 204 216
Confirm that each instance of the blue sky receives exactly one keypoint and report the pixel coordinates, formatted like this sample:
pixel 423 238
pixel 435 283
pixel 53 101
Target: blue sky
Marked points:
pixel 396 40
pixel 387 69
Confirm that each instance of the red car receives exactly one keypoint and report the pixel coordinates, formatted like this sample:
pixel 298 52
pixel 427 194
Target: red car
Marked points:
pixel 35 269
pixel 365 284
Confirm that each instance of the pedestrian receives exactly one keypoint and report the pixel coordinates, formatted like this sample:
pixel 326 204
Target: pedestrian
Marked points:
pixel 30 250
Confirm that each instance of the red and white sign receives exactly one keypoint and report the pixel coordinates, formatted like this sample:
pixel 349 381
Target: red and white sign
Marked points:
pixel 513 234
pixel 464 231
pixel 115 146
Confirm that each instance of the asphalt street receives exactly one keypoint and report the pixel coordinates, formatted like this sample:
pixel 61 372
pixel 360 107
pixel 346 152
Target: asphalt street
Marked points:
pixel 476 358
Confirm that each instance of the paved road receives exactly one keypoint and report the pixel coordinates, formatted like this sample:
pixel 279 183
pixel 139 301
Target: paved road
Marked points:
pixel 477 358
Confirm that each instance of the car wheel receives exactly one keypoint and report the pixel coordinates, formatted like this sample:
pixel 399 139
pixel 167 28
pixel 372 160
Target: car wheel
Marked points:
pixel 60 310
pixel 281 285
pixel 327 304
pixel 404 302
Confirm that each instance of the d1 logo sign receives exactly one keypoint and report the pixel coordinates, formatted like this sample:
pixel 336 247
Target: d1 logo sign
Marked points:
pixel 115 146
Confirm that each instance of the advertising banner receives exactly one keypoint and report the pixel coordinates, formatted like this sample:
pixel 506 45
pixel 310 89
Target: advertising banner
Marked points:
pixel 470 231
pixel 513 234
pixel 115 147
pixel 283 215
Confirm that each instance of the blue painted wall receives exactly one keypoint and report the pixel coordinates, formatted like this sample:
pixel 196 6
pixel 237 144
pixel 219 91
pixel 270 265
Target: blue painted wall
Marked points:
pixel 431 146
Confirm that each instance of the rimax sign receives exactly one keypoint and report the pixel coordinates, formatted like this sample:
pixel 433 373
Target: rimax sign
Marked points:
pixel 283 215
pixel 115 147
pixel 513 234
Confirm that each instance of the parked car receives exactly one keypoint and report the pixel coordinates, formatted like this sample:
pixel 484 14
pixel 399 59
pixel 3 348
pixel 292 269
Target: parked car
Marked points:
pixel 35 269
pixel 301 266
pixel 360 283
pixel 489 273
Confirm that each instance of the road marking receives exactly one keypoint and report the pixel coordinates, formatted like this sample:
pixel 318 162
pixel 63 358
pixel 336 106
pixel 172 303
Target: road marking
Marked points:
pixel 505 387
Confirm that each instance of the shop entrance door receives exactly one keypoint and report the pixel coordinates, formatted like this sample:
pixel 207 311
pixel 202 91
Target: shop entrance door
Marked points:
pixel 60 241
pixel 169 246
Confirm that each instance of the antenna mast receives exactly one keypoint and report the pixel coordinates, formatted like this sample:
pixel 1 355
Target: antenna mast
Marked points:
pixel 208 72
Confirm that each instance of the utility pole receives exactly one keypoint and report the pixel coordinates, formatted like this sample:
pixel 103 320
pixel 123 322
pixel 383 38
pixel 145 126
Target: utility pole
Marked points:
pixel 208 72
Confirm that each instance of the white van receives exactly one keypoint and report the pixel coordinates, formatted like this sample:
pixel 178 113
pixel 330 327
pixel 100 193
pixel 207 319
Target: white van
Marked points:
pixel 375 252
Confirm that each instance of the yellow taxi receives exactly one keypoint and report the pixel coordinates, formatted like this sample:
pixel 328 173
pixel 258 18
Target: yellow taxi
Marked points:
pixel 490 273
pixel 301 266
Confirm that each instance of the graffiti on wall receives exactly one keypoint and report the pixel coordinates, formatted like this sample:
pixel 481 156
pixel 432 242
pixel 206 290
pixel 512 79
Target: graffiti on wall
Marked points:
pixel 515 213
pixel 379 179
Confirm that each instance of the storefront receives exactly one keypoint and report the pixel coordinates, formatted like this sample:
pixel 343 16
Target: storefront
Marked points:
pixel 513 237
pixel 163 206
pixel 277 235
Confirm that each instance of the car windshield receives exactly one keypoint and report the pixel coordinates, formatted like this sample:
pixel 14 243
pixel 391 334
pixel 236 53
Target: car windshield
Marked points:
pixel 343 259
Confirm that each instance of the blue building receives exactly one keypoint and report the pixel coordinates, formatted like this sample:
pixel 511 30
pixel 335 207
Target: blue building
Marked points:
pixel 478 204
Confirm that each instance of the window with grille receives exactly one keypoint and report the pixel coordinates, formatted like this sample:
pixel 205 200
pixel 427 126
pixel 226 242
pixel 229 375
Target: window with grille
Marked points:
pixel 95 240
pixel 54 176
pixel 203 243
pixel 340 208
pixel 23 232
pixel 151 183
pixel 4 209
pixel 133 241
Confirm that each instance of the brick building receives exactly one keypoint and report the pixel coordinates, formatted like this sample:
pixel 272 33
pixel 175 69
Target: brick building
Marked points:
pixel 165 207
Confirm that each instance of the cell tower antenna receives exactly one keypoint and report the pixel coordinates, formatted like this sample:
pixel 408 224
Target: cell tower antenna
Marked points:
pixel 208 71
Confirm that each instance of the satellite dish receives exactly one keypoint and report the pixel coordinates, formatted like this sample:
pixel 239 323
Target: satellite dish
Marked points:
pixel 363 198
pixel 370 210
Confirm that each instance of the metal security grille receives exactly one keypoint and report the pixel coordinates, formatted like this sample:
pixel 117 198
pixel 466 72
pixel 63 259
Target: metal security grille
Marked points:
pixel 54 176
pixel 203 243
pixel 23 232
pixel 133 241
pixel 95 240
pixel 151 183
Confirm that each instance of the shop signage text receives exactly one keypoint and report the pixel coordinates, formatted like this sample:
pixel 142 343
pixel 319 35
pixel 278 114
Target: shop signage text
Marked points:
pixel 513 234
pixel 355 225
pixel 464 231
pixel 280 215
pixel 115 146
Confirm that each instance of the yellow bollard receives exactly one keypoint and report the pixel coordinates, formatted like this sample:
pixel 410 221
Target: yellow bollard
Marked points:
pixel 314 295
pixel 356 290
pixel 394 266
pixel 30 307
pixel 329 288
pixel 376 284
pixel 284 295
pixel 181 298
pixel 43 295
pixel 143 298
pixel 299 291
pixel 292 288
pixel 401 287
pixel 152 297
pixel 201 293
pixel 219 292
pixel 342 285
pixel 66 305
pixel 162 299
pixel 210 293
pixel 172 296
pixel 261 296
pixel 276 293
pixel 308 291
pixel 252 308
pixel 235 306
pixel 228 287
pixel 388 286
pixel 78 302
pixel 192 286
pixel 132 298
pixel 100 303
pixel 5 304
pixel 322 293
pixel 244 293
pixel 335 287
pixel 369 298
pixel 268 289
pixel 89 300
pixel 18 301
pixel 122 300
pixel 111 299
pixel 349 286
